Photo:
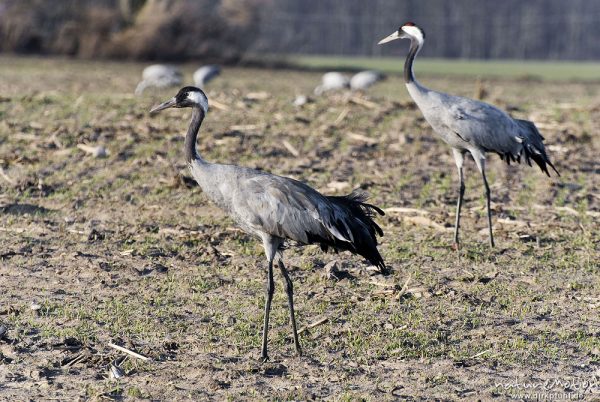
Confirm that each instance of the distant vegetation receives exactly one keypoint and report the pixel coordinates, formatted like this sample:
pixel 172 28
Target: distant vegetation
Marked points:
pixel 472 29
pixel 211 30
pixel 227 30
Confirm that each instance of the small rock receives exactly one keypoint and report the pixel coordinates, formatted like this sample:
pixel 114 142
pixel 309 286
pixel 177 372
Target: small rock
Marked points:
pixel 488 277
pixel 418 292
pixel 3 330
pixel 526 238
pixel 160 268
pixel 72 342
pixel 171 345
pixel 116 372
pixel 99 152
pixel 256 96
pixel 300 100
pixel 96 151
pixel 95 235
pixel 69 220
pixel 35 374
pixel 105 266
pixel 332 270
pixel 144 271
pixel 404 139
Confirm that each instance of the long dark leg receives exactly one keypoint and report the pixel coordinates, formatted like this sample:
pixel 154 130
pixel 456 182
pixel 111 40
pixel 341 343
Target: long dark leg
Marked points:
pixel 489 212
pixel 289 288
pixel 268 298
pixel 461 194
pixel 459 159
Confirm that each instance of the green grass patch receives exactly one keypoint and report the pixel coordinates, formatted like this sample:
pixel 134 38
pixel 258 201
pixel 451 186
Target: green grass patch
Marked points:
pixel 520 69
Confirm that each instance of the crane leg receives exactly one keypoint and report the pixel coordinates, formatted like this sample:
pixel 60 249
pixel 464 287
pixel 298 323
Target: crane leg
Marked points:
pixel 290 294
pixel 268 298
pixel 459 159
pixel 481 166
pixel 461 194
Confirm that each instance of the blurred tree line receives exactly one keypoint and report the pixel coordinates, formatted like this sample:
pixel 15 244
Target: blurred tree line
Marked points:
pixel 211 30
pixel 483 29
pixel 226 30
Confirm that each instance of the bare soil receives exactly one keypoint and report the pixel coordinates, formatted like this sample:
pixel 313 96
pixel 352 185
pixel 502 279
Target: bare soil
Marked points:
pixel 126 250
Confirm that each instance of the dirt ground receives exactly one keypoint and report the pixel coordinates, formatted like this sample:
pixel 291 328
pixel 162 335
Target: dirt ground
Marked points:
pixel 126 250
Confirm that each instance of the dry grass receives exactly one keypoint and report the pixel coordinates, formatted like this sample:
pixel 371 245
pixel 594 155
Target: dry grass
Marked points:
pixel 118 250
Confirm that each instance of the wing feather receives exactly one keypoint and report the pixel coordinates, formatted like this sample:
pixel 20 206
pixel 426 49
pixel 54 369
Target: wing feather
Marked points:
pixel 265 204
pixel 481 124
pixel 281 207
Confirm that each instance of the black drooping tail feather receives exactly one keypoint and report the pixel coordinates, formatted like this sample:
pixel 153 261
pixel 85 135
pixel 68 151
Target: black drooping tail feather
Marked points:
pixel 361 230
pixel 364 213
pixel 533 147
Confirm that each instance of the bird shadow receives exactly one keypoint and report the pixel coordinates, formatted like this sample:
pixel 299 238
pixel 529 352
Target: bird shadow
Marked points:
pixel 24 209
pixel 275 370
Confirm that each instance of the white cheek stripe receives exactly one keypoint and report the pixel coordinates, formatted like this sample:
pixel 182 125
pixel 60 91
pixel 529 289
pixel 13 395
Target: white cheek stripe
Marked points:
pixel 200 99
pixel 414 32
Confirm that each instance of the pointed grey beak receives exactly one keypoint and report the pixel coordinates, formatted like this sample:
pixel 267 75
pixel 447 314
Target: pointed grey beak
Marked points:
pixel 390 38
pixel 165 105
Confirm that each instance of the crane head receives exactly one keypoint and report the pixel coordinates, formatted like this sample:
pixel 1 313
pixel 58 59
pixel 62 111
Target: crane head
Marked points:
pixel 186 97
pixel 406 31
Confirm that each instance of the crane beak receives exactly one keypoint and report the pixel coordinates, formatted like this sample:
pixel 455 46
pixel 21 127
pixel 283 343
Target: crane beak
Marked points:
pixel 390 38
pixel 165 105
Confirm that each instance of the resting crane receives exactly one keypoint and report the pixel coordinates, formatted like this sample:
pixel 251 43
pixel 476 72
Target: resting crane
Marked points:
pixel 159 76
pixel 205 74
pixel 332 81
pixel 363 80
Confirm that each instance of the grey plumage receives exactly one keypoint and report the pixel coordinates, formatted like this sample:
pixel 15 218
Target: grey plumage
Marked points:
pixel 365 79
pixel 332 81
pixel 159 76
pixel 205 74
pixel 470 126
pixel 477 127
pixel 276 209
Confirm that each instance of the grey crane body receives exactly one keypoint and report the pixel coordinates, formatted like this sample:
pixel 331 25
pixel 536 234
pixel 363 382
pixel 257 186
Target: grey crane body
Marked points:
pixel 276 209
pixel 205 74
pixel 469 125
pixel 363 80
pixel 159 76
pixel 332 81
pixel 464 124
pixel 267 205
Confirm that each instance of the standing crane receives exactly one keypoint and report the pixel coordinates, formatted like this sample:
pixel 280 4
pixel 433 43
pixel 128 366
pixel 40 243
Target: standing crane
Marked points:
pixel 205 74
pixel 470 126
pixel 159 76
pixel 275 208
